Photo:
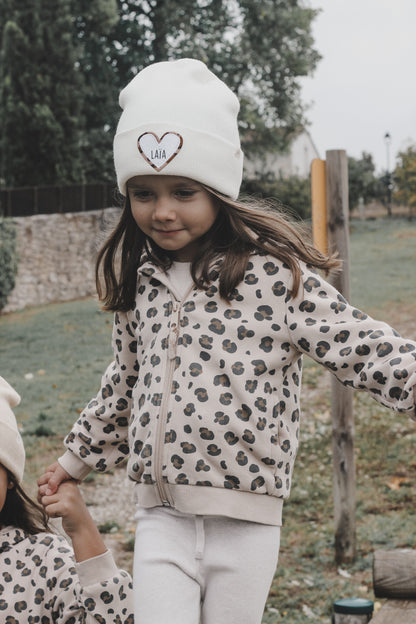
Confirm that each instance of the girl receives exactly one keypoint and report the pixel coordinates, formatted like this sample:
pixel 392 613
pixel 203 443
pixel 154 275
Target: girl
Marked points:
pixel 40 581
pixel 215 302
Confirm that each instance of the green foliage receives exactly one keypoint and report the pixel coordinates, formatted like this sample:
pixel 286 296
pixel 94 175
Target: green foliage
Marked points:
pixel 93 21
pixel 91 477
pixel 109 527
pixel 405 178
pixel 362 181
pixel 128 546
pixel 8 259
pixel 258 47
pixel 40 96
pixel 273 49
pixel 63 63
pixel 43 92
pixel 43 431
pixel 293 192
pixel 40 99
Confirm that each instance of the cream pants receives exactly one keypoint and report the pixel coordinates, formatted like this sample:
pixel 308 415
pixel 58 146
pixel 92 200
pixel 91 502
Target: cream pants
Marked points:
pixel 201 569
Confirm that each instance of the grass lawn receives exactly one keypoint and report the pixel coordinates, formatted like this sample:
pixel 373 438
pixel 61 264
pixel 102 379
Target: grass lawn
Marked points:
pixel 383 259
pixel 54 356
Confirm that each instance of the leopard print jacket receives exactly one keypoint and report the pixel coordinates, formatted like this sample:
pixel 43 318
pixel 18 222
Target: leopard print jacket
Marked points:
pixel 40 582
pixel 204 395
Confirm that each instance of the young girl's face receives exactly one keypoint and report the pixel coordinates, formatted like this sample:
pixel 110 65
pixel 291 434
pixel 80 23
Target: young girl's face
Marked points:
pixel 173 211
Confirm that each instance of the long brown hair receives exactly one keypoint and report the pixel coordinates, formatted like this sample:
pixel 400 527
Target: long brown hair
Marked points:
pixel 20 511
pixel 241 228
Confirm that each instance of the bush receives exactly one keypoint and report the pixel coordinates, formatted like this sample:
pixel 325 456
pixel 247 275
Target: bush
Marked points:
pixel 111 526
pixel 8 259
pixel 293 192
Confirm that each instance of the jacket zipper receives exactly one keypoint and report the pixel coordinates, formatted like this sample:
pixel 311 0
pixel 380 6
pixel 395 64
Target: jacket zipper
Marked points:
pixel 161 429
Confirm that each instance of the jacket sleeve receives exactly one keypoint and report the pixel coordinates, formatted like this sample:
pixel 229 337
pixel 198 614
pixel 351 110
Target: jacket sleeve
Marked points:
pixel 363 353
pixel 99 437
pixel 93 591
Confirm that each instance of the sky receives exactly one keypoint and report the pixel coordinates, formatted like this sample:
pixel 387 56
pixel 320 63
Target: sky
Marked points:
pixel 365 85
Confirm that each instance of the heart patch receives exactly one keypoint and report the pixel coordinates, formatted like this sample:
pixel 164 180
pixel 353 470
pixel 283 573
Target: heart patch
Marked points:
pixel 159 152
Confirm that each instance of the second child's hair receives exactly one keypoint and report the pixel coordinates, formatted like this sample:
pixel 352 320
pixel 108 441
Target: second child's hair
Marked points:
pixel 241 228
pixel 21 512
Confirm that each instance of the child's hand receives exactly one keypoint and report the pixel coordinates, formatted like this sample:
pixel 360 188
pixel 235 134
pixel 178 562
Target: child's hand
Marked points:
pixel 67 503
pixel 49 482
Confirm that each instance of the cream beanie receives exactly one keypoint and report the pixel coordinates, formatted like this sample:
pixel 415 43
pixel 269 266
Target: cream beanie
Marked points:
pixel 179 119
pixel 12 451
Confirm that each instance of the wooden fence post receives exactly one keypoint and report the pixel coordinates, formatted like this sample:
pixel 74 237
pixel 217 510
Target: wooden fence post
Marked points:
pixel 341 397
pixel 318 193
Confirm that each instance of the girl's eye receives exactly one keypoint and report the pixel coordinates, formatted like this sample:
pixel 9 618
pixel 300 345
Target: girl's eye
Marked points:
pixel 142 195
pixel 185 193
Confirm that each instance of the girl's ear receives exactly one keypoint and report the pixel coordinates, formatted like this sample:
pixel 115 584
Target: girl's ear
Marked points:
pixel 10 485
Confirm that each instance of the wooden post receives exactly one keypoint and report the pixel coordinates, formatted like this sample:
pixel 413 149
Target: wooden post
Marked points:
pixel 318 192
pixel 341 397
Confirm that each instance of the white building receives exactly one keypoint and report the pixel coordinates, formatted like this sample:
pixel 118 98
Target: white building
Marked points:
pixel 295 162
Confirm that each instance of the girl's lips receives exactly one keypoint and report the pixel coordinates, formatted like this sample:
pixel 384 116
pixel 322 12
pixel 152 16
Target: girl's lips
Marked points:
pixel 167 232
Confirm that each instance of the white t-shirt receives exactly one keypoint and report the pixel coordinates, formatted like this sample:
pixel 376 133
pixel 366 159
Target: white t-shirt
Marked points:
pixel 180 276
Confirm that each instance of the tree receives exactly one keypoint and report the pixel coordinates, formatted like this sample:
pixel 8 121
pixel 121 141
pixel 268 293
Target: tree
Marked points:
pixel 63 63
pixel 405 178
pixel 258 47
pixel 362 181
pixel 8 259
pixel 92 22
pixel 293 192
pixel 51 117
pixel 40 98
pixel 273 49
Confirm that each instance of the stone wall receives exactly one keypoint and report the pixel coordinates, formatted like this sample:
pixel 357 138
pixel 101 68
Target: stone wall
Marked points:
pixel 57 256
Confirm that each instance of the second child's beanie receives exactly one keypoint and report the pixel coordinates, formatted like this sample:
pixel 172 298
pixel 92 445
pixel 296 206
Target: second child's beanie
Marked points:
pixel 179 119
pixel 12 451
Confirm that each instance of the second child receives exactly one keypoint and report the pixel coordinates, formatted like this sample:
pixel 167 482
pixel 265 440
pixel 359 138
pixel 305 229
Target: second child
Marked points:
pixel 43 579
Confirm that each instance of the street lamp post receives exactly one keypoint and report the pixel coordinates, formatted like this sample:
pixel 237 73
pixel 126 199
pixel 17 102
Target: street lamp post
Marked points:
pixel 387 139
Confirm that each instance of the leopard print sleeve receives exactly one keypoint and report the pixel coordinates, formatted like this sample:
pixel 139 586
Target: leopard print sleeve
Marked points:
pixel 99 437
pixel 104 593
pixel 363 353
pixel 108 599
pixel 42 583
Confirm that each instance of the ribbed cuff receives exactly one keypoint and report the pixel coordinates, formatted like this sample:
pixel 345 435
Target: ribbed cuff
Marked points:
pixel 97 569
pixel 74 465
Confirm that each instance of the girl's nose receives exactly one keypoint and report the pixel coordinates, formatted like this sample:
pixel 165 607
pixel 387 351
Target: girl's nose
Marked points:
pixel 163 210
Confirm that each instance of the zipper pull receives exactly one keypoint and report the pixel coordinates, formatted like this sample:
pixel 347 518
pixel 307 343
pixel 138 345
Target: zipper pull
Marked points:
pixel 173 342
pixel 174 332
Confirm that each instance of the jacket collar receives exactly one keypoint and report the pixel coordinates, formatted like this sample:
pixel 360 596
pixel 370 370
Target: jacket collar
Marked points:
pixel 151 271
